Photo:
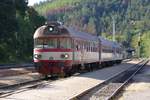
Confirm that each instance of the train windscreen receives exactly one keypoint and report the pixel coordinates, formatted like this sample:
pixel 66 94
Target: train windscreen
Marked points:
pixel 52 43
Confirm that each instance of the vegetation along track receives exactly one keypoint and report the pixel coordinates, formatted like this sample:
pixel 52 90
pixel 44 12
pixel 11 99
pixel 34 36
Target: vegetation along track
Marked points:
pixel 109 88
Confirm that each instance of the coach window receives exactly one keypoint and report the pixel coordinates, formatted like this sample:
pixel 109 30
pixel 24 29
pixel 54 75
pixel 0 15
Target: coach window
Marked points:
pixel 93 47
pixel 87 47
pixel 72 43
pixel 84 46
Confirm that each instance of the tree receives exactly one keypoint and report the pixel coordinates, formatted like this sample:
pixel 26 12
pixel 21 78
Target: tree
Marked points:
pixel 17 25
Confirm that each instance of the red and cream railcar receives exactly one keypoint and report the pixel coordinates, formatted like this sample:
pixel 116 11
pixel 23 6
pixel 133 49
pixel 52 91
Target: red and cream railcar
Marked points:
pixel 58 49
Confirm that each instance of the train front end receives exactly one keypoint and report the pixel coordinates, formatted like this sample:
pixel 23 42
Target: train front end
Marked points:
pixel 52 49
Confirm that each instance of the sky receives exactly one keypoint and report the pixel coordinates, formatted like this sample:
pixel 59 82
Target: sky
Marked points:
pixel 32 2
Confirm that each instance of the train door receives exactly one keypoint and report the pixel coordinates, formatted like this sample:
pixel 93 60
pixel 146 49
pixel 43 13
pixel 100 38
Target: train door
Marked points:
pixel 99 50
pixel 82 51
pixel 73 49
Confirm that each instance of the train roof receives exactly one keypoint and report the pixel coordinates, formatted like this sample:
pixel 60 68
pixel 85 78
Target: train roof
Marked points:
pixel 109 43
pixel 105 41
pixel 63 32
pixel 116 44
pixel 83 35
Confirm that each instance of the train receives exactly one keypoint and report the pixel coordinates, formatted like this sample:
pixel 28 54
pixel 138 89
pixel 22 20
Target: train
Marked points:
pixel 60 49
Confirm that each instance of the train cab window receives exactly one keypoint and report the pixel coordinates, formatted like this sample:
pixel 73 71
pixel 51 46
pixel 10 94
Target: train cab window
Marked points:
pixel 38 43
pixel 45 43
pixel 65 43
pixel 51 43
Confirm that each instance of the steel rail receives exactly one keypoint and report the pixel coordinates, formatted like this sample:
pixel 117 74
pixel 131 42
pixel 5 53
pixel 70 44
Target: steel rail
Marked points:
pixel 12 89
pixel 39 81
pixel 107 81
pixel 7 66
pixel 126 81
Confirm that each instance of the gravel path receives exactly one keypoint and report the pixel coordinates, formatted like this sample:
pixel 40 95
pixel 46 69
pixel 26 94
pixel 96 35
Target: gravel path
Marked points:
pixel 65 89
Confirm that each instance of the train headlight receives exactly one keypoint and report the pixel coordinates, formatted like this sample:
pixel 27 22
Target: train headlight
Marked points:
pixel 65 56
pixel 37 56
pixel 51 29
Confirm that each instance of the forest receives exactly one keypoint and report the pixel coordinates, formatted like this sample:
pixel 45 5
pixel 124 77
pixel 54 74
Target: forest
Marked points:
pixel 19 22
pixel 17 25
pixel 95 16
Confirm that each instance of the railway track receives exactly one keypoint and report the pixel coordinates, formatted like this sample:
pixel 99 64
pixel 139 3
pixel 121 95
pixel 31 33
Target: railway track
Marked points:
pixel 15 69
pixel 108 89
pixel 7 66
pixel 20 87
pixel 10 70
pixel 23 87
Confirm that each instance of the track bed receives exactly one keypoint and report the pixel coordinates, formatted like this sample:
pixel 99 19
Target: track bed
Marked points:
pixel 67 88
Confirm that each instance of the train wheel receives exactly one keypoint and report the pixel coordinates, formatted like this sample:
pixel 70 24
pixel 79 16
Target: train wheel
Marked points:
pixel 88 68
pixel 82 68
pixel 69 74
pixel 99 66
pixel 46 77
pixel 74 69
pixel 103 64
pixel 62 74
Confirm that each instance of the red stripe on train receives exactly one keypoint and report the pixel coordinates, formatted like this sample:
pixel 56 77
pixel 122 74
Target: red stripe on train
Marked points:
pixel 53 50
pixel 53 60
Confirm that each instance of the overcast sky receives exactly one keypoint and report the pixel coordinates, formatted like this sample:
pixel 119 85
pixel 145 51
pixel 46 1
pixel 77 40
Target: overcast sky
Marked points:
pixel 32 2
